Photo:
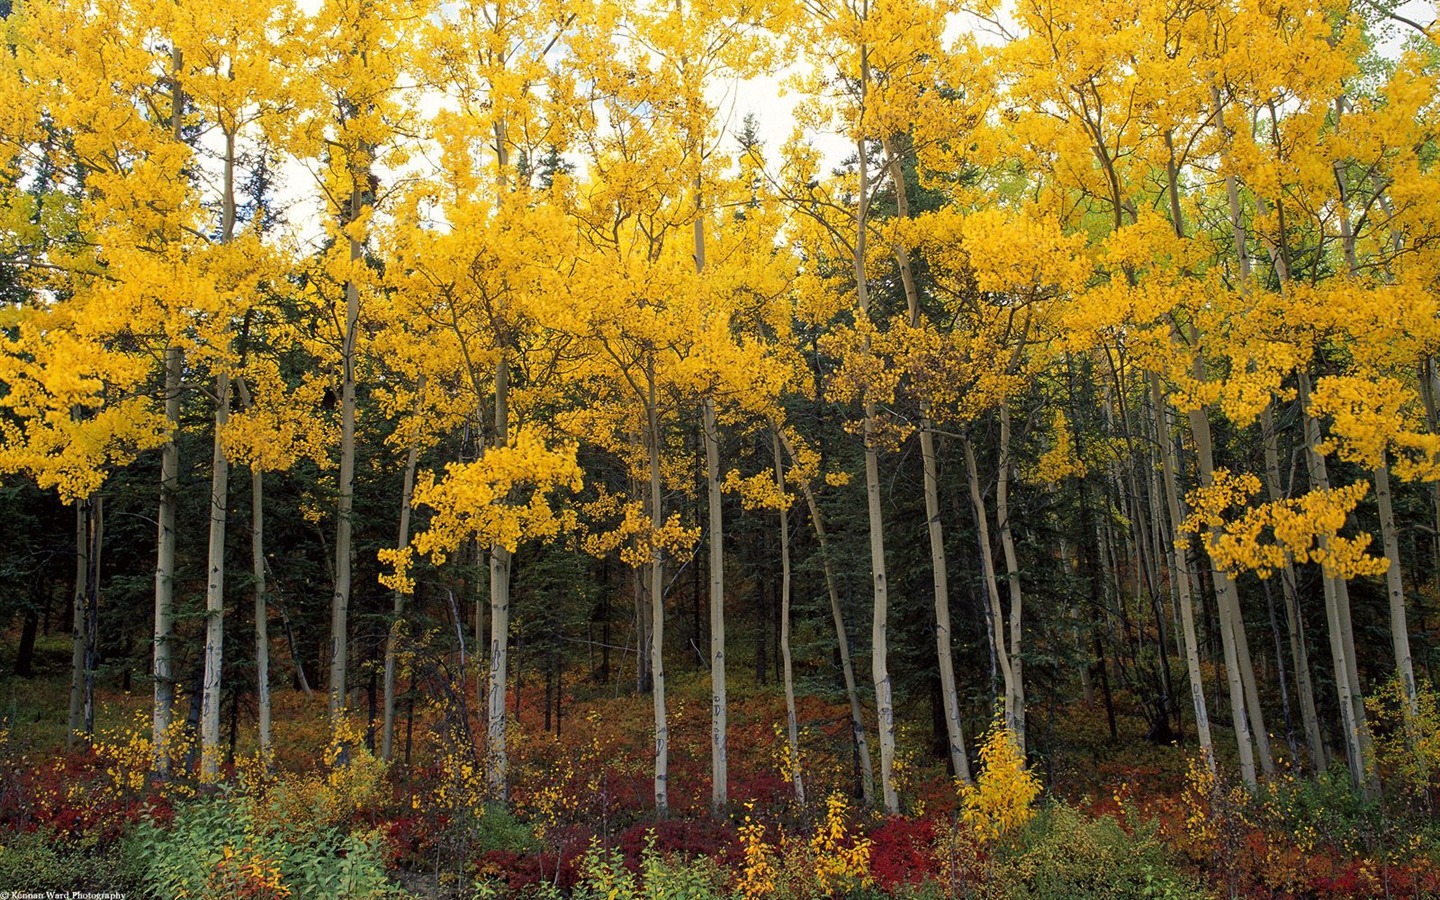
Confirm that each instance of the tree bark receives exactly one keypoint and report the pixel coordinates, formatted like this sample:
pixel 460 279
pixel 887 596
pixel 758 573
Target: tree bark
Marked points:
pixel 262 615
pixel 215 590
pixel 162 671
pixel 1229 616
pixel 340 601
pixel 719 791
pixel 880 611
pixel 996 617
pixel 1015 700
pixel 657 602
pixel 500 559
pixel 792 730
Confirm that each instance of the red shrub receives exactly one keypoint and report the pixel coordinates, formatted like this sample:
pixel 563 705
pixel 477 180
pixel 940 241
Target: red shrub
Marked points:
pixel 901 852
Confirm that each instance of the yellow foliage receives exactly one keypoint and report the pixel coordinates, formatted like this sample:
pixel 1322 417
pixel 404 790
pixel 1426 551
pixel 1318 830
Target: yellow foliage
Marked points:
pixel 1407 734
pixel 354 781
pixel 757 869
pixel 1060 459
pixel 503 497
pixel 1002 799
pixel 1375 420
pixel 841 860
pixel 1261 538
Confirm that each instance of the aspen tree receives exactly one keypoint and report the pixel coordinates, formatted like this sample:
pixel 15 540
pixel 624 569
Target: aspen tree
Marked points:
pixel 75 366
pixel 349 114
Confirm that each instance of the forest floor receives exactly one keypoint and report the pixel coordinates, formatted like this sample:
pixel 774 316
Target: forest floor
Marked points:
pixel 1116 817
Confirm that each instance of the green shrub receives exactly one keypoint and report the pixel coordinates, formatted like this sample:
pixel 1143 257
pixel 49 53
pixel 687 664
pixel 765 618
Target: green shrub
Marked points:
pixel 214 849
pixel 496 828
pixel 1064 855
pixel 604 876
pixel 40 861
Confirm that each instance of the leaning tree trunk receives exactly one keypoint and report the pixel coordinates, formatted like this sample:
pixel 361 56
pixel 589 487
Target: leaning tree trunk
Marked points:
pixel 407 491
pixel 1299 655
pixel 1015 699
pixel 1337 615
pixel 344 527
pixel 949 699
pixel 842 638
pixel 1180 575
pixel 996 617
pixel 792 730
pixel 1231 628
pixel 1395 589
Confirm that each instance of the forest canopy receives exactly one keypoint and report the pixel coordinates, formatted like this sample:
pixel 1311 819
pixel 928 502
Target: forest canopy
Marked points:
pixel 951 363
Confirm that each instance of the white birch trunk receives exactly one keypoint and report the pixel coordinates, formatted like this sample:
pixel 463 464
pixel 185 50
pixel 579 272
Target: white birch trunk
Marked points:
pixel 1180 576
pixel 719 791
pixel 215 590
pixel 792 729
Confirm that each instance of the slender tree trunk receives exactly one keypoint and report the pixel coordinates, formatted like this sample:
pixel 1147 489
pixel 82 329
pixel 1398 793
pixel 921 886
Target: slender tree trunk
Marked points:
pixel 996 617
pixel 340 601
pixel 1337 614
pixel 1015 700
pixel 1299 656
pixel 954 732
pixel 500 559
pixel 657 604
pixel 1229 617
pixel 879 663
pixel 92 608
pixel 257 574
pixel 719 791
pixel 219 503
pixel 407 491
pixel 1225 584
pixel 79 630
pixel 842 638
pixel 1395 589
pixel 215 590
pixel 164 690
pixel 164 700
pixel 1428 393
pixel 1281 678
pixel 500 556
pixel 880 614
pixel 262 615
pixel 792 728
